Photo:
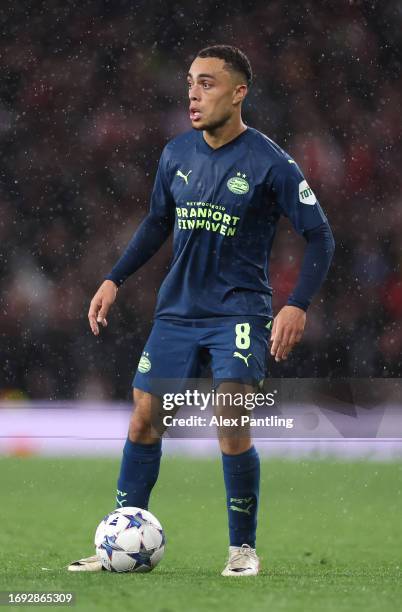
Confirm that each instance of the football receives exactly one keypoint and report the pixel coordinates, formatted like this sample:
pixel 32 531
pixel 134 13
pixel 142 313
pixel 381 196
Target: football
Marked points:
pixel 130 540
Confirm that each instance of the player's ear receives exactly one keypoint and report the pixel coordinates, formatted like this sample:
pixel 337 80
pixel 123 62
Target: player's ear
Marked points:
pixel 240 93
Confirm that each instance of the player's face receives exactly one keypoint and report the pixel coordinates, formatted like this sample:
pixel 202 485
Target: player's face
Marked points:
pixel 214 93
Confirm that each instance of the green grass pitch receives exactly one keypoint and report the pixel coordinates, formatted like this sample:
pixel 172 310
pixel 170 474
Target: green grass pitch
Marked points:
pixel 329 536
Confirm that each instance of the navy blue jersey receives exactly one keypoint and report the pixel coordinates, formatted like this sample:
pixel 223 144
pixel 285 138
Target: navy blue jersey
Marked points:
pixel 224 205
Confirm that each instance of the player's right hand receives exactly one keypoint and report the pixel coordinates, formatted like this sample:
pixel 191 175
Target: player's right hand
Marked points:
pixel 100 304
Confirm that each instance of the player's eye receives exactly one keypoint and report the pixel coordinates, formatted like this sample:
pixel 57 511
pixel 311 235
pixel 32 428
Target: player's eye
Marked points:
pixel 206 85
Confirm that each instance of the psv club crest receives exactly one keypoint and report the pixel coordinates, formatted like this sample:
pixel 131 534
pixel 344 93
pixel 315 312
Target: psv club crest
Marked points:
pixel 238 184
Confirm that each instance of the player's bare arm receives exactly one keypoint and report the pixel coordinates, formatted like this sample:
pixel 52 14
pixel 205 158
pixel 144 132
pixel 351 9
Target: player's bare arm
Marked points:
pixel 100 305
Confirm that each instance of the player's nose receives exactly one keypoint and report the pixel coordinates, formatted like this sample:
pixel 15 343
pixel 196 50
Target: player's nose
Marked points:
pixel 193 94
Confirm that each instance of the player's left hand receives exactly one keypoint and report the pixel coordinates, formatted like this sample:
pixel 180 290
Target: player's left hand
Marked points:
pixel 287 331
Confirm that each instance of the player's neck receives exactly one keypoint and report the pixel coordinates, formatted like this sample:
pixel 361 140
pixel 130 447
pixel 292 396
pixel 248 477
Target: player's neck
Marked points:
pixel 222 135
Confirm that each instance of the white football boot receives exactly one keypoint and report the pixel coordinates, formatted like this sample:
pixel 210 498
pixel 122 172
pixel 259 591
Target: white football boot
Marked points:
pixel 242 561
pixel 88 564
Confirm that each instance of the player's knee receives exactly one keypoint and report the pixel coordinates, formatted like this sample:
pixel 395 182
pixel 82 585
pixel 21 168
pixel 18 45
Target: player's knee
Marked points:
pixel 234 445
pixel 139 428
pixel 141 422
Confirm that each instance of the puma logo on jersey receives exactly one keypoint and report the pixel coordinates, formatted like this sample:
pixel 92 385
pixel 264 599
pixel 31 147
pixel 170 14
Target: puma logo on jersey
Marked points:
pixel 240 356
pixel 184 176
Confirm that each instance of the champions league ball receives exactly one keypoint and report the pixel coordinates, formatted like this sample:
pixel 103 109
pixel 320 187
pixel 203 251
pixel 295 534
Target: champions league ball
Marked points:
pixel 130 540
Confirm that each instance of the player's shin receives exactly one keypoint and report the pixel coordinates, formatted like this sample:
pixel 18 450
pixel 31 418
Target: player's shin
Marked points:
pixel 138 473
pixel 242 481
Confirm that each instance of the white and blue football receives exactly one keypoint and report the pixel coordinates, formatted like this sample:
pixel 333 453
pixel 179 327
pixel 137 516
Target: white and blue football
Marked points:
pixel 130 540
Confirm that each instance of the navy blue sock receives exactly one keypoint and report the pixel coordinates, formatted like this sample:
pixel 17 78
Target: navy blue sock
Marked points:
pixel 138 473
pixel 242 482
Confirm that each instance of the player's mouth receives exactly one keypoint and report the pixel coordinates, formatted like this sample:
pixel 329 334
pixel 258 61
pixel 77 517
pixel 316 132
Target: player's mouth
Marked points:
pixel 195 114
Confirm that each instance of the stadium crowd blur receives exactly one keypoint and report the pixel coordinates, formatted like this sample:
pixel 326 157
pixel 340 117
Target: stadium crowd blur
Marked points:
pixel 91 92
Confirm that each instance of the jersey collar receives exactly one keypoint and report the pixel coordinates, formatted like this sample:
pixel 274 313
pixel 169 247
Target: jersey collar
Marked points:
pixel 205 148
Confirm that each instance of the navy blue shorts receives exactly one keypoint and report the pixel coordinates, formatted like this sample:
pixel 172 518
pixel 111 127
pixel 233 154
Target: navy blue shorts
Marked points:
pixel 234 348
